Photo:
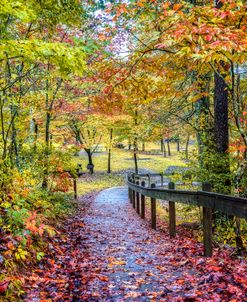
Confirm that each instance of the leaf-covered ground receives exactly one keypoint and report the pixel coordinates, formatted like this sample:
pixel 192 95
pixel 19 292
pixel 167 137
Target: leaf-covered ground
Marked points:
pixel 107 253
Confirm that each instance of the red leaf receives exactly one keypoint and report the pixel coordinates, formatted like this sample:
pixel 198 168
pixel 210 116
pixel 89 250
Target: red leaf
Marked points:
pixel 215 268
pixel 208 38
pixel 3 286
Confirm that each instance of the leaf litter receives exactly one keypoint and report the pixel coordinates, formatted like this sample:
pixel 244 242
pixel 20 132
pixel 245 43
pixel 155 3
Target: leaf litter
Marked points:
pixel 106 252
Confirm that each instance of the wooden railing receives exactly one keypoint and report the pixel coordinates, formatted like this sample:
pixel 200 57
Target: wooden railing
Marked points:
pixel 141 186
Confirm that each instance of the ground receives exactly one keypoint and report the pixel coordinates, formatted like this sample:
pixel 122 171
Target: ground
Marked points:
pixel 122 159
pixel 108 253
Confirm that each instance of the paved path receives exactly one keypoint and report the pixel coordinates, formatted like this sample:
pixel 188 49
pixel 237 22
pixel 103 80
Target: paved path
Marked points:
pixel 136 255
pixel 111 254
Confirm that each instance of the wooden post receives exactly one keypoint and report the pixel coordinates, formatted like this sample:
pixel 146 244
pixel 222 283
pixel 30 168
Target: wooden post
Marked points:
pixel 130 195
pixel 75 188
pixel 153 210
pixel 149 180
pixel 137 200
pixel 207 225
pixel 133 199
pixel 143 202
pixel 172 213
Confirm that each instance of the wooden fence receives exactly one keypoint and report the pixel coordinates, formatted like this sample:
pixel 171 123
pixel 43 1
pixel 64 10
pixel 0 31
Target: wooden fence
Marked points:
pixel 141 186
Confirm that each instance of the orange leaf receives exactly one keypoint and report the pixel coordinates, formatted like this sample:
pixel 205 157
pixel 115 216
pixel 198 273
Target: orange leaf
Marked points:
pixel 103 278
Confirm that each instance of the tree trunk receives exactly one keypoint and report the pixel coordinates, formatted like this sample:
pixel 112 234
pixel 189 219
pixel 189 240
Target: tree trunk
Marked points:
pixel 90 160
pixel 36 131
pixel 135 155
pixel 164 150
pixel 222 163
pixel 168 147
pixel 135 143
pixel 109 152
pixel 51 141
pixel 162 145
pixel 14 154
pixel 143 146
pixel 47 150
pixel 178 145
pixel 222 166
pixel 221 114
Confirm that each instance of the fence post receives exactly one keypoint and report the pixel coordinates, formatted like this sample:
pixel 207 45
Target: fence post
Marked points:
pixel 137 200
pixel 133 198
pixel 143 202
pixel 172 213
pixel 153 210
pixel 130 195
pixel 149 180
pixel 75 188
pixel 207 224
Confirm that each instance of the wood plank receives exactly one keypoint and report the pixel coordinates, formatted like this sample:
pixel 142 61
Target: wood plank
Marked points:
pixel 130 195
pixel 143 202
pixel 172 213
pixel 137 200
pixel 133 199
pixel 226 204
pixel 153 210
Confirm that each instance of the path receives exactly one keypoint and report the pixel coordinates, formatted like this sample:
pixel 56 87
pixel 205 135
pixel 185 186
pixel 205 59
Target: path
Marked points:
pixel 113 255
pixel 134 253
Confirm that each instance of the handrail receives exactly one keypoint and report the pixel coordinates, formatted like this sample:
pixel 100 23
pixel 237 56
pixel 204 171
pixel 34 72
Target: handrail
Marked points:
pixel 230 205
pixel 161 175
pixel 227 204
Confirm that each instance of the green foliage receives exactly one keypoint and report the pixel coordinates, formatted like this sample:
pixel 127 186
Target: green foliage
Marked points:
pixel 27 216
pixel 212 168
pixel 225 231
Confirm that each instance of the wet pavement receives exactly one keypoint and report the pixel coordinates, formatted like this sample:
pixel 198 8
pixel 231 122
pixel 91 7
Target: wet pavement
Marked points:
pixel 111 254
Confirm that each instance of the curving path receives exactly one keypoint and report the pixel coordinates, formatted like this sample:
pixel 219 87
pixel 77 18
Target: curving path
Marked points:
pixel 136 264
pixel 113 255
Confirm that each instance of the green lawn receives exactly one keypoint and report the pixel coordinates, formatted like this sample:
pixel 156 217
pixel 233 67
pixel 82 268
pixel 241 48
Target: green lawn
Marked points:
pixel 123 160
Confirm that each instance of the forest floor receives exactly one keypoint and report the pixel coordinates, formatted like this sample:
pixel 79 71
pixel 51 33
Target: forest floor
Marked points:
pixel 106 252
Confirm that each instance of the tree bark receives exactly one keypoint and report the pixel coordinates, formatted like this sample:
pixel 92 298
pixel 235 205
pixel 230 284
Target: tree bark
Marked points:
pixel 90 159
pixel 36 131
pixel 178 145
pixel 221 114
pixel 135 155
pixel 168 147
pixel 162 145
pixel 164 151
pixel 47 150
pixel 109 152
pixel 222 163
pixel 135 143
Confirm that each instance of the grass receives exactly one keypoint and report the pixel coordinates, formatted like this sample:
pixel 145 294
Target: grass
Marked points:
pixel 96 182
pixel 122 160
